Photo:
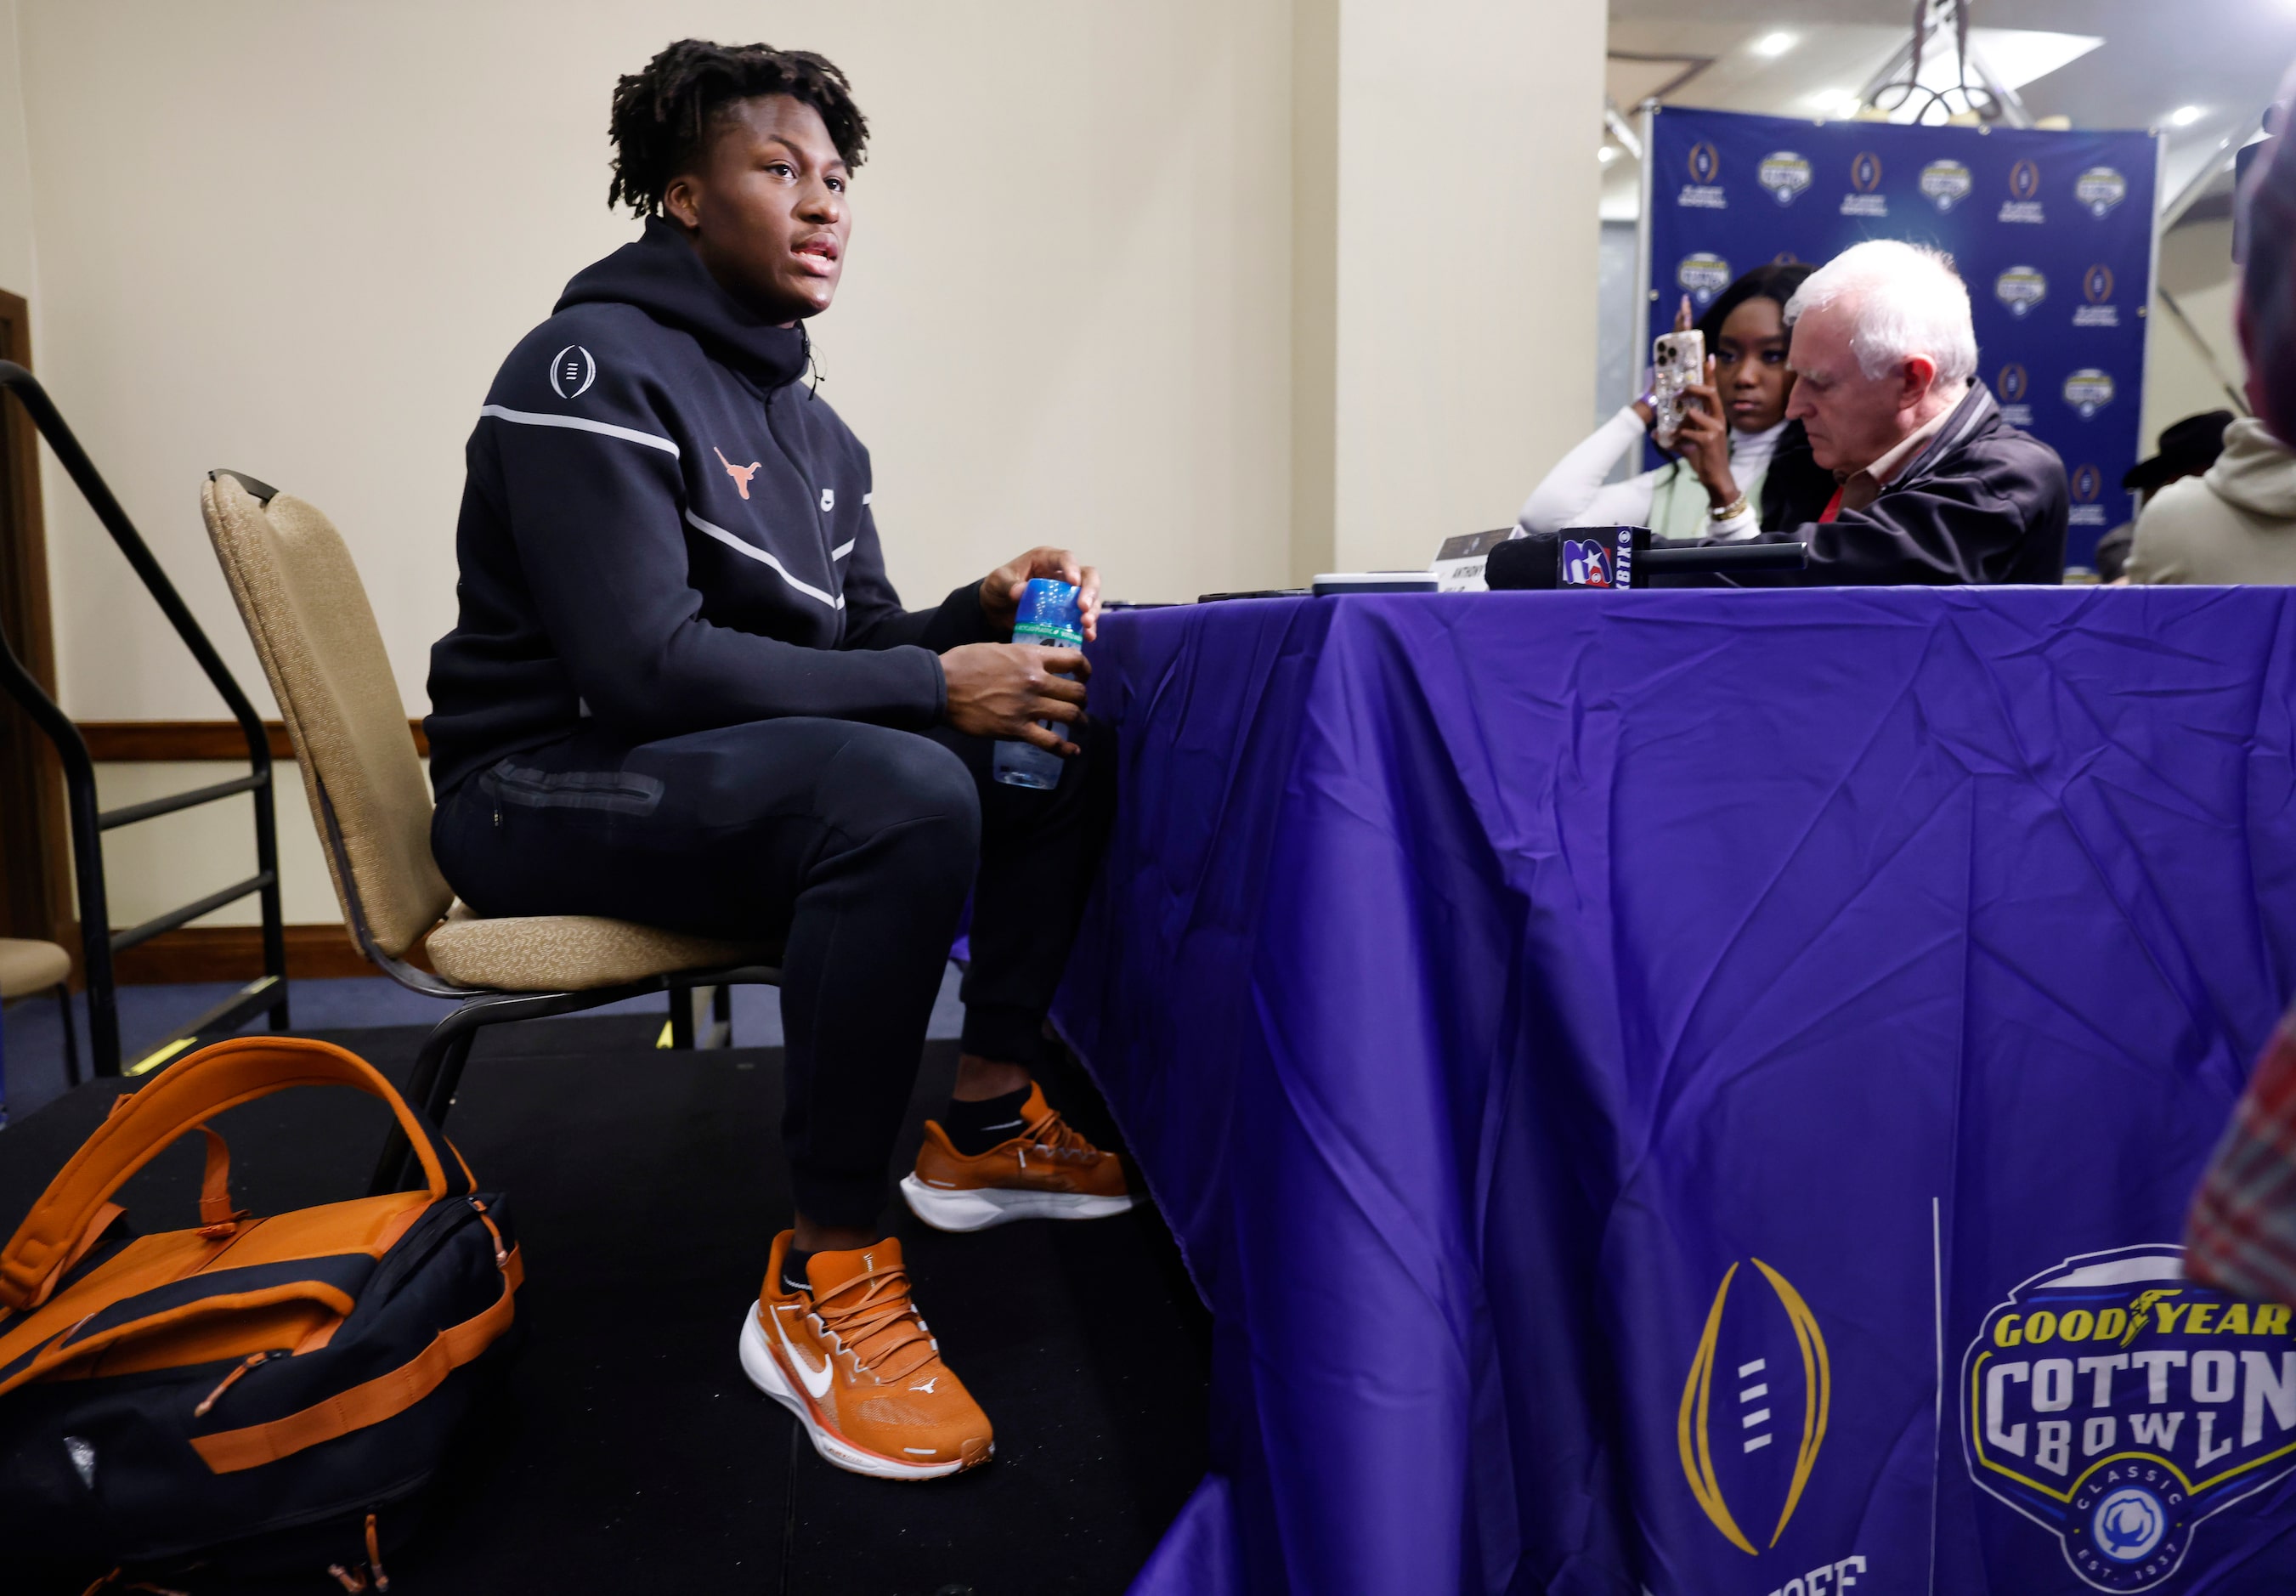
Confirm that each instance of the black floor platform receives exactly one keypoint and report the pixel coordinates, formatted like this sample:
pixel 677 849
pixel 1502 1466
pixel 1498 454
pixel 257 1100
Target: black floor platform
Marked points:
pixel 631 1454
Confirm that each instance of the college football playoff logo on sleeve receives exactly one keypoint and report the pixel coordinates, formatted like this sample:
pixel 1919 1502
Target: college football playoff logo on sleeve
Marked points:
pixel 2118 1407
pixel 572 372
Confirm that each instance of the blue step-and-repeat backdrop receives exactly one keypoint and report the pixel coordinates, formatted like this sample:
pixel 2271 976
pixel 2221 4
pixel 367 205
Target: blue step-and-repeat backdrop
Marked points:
pixel 2053 231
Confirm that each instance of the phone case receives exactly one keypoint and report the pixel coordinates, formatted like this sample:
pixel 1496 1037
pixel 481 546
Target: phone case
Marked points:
pixel 1677 359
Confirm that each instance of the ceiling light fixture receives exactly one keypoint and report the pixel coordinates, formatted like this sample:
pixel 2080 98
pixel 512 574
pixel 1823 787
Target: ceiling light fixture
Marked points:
pixel 2184 115
pixel 1775 44
pixel 1606 155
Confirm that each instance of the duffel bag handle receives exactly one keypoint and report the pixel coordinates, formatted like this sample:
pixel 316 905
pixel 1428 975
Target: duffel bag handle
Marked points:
pixel 207 1082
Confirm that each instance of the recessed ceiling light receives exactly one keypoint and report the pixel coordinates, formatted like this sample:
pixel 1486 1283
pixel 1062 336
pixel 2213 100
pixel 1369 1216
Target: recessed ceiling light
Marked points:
pixel 1775 44
pixel 2184 115
pixel 1606 155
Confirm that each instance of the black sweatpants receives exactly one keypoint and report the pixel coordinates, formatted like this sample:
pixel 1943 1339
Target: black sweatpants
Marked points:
pixel 855 844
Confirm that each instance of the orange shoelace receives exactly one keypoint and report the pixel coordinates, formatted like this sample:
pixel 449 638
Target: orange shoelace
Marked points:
pixel 879 1324
pixel 1055 1138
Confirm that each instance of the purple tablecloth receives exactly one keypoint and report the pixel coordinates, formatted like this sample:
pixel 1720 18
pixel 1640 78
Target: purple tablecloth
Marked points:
pixel 1649 1084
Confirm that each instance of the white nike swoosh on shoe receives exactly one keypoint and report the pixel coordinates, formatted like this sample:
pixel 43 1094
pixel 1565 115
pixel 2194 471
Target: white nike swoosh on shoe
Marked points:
pixel 815 1387
pixel 1009 1124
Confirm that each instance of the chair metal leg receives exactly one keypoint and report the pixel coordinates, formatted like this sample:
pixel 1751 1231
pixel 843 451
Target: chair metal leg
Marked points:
pixel 72 1033
pixel 437 1069
pixel 681 1017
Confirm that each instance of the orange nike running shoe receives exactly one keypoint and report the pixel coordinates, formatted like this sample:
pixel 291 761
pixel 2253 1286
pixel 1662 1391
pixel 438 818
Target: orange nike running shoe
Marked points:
pixel 852 1359
pixel 1047 1172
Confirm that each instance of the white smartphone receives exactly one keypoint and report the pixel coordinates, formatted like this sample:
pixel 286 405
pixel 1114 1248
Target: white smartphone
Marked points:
pixel 1677 359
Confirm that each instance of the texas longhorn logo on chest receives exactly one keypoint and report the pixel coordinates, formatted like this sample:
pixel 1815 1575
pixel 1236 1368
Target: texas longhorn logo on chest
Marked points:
pixel 740 473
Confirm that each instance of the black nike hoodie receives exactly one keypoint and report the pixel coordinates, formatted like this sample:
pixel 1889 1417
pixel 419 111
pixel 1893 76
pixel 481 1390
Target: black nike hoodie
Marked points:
pixel 662 531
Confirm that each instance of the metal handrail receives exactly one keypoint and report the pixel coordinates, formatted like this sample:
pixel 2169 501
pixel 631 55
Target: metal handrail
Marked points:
pixel 97 940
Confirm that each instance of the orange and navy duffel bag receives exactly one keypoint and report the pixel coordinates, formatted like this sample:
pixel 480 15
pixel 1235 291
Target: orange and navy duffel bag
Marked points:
pixel 253 1393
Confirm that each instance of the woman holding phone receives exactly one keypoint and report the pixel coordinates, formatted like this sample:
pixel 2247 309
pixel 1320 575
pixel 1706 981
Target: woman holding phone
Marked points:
pixel 1739 463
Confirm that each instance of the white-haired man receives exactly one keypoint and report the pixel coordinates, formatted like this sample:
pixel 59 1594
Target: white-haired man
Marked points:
pixel 1933 485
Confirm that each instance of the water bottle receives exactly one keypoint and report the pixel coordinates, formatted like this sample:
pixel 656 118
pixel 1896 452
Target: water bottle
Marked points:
pixel 1049 618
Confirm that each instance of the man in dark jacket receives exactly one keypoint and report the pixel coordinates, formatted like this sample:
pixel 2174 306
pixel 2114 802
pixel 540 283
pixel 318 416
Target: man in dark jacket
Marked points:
pixel 681 691
pixel 1933 486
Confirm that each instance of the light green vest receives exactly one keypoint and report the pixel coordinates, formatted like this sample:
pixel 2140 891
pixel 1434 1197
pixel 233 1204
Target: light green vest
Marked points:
pixel 1679 508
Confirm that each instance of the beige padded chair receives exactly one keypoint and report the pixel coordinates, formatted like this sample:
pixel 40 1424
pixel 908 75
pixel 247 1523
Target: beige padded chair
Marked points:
pixel 307 614
pixel 28 967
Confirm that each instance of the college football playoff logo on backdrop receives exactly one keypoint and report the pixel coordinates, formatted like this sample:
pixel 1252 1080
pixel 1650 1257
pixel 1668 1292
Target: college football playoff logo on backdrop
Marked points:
pixel 2119 1406
pixel 1748 1449
pixel 1705 162
pixel 1785 174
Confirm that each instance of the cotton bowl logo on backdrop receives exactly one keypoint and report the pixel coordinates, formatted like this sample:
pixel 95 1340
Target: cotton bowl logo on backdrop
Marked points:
pixel 2100 188
pixel 1785 174
pixel 1773 1362
pixel 2089 390
pixel 1945 184
pixel 2021 288
pixel 2117 1406
pixel 1704 276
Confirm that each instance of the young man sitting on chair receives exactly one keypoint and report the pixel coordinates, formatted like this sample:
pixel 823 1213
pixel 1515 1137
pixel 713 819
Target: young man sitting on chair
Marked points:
pixel 681 691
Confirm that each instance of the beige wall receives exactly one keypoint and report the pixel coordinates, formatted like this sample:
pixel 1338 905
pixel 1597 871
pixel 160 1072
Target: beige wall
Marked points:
pixel 1468 230
pixel 2196 267
pixel 296 238
pixel 18 268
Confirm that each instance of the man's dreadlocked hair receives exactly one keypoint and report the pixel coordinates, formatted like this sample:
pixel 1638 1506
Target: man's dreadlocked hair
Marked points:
pixel 661 116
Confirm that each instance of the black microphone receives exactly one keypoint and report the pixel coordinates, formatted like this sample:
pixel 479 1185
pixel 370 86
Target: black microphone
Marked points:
pixel 1722 559
pixel 1544 560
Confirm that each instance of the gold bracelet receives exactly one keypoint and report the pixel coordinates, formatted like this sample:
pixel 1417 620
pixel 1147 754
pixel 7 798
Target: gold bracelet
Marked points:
pixel 1729 512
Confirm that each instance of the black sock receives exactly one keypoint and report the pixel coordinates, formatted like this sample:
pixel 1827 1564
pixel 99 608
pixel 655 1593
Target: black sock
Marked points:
pixel 974 1128
pixel 793 1262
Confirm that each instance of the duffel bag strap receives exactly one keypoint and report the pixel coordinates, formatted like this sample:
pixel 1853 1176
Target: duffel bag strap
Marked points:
pixel 178 1100
pixel 385 1396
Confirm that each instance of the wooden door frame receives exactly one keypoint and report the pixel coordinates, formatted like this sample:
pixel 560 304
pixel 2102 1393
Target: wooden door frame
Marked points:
pixel 35 853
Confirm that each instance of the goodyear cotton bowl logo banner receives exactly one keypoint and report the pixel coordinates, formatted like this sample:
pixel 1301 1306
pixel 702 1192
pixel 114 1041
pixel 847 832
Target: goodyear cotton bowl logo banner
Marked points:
pixel 2119 1408
pixel 2053 231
